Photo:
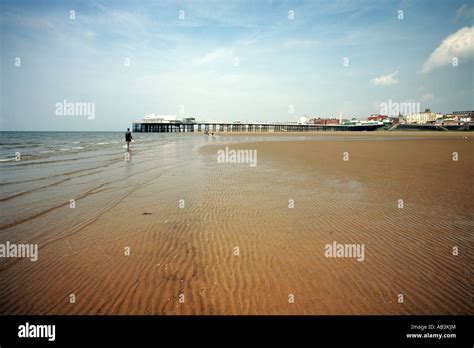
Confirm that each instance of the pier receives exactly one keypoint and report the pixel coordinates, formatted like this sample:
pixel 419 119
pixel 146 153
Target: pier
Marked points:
pixel 213 127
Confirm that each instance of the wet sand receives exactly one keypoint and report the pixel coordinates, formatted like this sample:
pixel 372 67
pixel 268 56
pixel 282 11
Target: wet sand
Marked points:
pixel 191 250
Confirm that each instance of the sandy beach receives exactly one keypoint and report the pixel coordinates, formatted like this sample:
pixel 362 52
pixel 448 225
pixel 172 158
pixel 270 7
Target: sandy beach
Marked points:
pixel 173 231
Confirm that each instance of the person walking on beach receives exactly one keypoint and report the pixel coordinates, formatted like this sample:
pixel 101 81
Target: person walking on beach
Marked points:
pixel 128 138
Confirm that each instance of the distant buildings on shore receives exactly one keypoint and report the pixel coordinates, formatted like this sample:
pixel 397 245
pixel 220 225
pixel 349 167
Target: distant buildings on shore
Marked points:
pixel 424 118
pixel 371 120
pixel 429 117
pixel 421 118
pixel 460 116
pixel 320 120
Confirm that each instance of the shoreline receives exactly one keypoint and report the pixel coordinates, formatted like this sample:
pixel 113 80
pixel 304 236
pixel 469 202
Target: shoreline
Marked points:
pixel 346 133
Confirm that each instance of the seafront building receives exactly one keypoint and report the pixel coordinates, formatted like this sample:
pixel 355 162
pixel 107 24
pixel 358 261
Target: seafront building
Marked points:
pixel 320 120
pixel 460 116
pixel 378 118
pixel 387 121
pixel 425 117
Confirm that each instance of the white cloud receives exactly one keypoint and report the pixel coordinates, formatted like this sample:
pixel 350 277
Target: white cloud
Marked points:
pixel 465 11
pixel 426 97
pixel 216 55
pixel 458 45
pixel 386 80
pixel 294 43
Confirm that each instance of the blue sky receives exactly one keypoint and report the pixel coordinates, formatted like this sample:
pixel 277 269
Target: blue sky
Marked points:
pixel 229 60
